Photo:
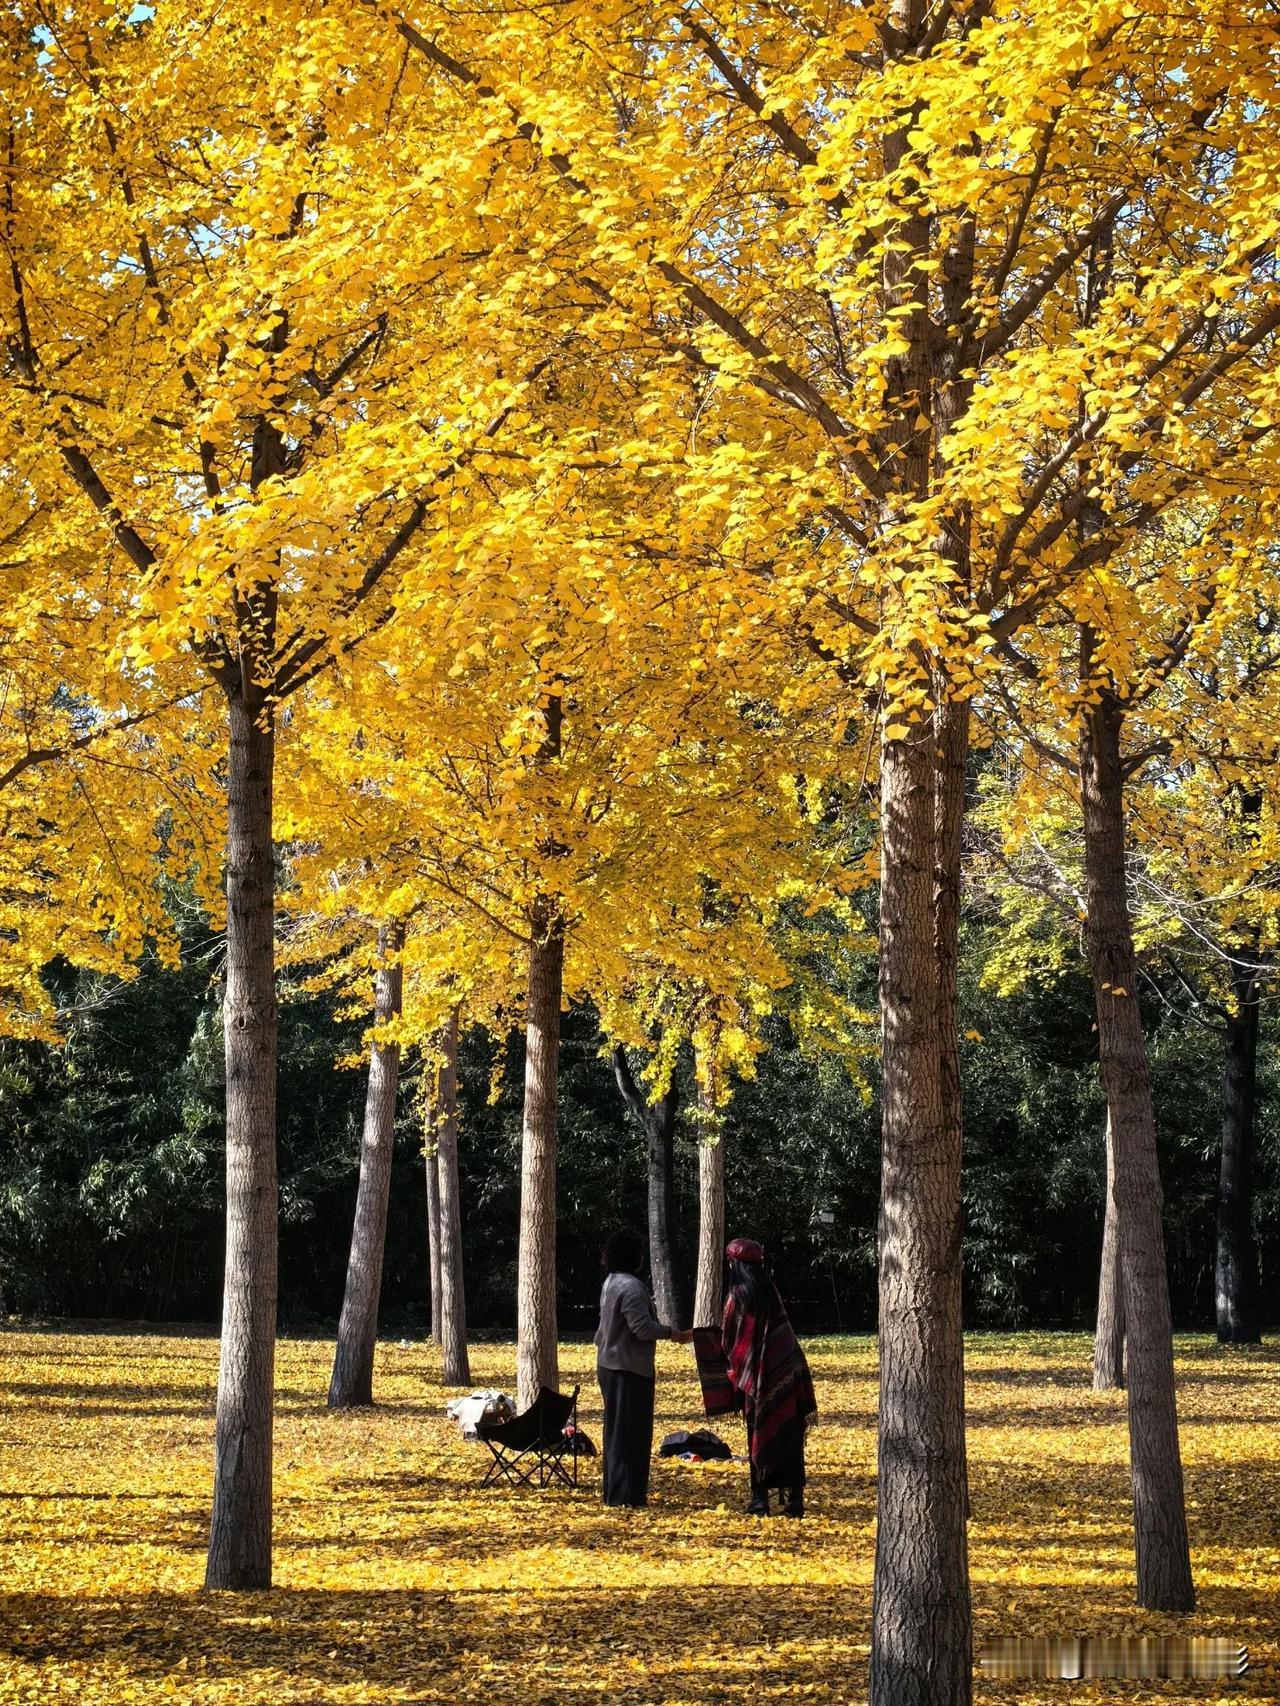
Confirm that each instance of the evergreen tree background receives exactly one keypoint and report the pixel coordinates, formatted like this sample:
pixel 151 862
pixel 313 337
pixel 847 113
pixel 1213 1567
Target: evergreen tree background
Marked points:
pixel 111 1160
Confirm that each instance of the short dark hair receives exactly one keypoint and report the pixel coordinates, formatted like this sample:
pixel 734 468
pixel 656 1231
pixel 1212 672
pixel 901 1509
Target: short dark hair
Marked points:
pixel 623 1252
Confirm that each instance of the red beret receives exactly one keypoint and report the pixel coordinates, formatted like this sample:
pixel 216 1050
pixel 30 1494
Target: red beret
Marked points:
pixel 745 1250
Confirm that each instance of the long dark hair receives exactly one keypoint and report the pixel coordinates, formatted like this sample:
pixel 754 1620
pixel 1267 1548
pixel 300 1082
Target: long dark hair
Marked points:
pixel 751 1288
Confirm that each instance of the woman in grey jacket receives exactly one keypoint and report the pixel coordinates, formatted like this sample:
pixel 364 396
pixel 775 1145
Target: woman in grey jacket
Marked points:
pixel 629 1329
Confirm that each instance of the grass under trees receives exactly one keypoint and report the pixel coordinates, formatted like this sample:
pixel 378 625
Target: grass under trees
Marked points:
pixel 399 1580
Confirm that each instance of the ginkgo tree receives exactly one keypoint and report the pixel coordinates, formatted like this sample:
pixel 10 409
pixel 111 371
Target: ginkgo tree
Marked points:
pixel 1193 724
pixel 682 1002
pixel 874 233
pixel 575 781
pixel 221 310
pixel 354 924
pixel 1121 653
pixel 967 296
pixel 1209 892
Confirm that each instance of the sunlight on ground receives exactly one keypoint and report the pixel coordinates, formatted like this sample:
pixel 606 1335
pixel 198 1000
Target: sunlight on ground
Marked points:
pixel 400 1579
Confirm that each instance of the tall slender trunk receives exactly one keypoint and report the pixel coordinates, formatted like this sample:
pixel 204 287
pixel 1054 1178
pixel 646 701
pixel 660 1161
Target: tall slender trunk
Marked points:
pixel 658 1123
pixel 1160 1523
pixel 921 1628
pixel 1108 1338
pixel 453 1305
pixel 1236 1268
pixel 921 1642
pixel 921 1636
pixel 537 1359
pixel 431 1157
pixel 351 1383
pixel 660 1134
pixel 240 1531
pixel 708 1305
pixel 951 727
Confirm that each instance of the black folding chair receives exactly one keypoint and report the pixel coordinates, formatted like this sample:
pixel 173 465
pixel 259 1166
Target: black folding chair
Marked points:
pixel 530 1449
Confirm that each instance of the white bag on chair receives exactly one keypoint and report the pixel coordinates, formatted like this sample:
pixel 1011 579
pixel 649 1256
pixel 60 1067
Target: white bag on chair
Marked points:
pixel 486 1406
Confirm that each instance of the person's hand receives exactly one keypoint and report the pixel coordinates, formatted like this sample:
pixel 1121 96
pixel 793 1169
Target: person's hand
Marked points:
pixel 682 1336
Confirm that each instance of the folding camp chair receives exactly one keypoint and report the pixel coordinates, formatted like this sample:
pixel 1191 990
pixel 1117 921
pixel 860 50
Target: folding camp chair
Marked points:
pixel 530 1450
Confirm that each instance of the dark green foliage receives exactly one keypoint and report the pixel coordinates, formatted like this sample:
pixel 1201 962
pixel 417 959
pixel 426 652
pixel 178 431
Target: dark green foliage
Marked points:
pixel 111 1186
pixel 111 1189
pixel 108 1171
pixel 801 1143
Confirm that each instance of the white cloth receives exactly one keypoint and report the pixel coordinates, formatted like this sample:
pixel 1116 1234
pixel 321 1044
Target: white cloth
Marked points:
pixel 488 1406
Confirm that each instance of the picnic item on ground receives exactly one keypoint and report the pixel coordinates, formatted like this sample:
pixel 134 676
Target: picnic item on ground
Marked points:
pixel 698 1446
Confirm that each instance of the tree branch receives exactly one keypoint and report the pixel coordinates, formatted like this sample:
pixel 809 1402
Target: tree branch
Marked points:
pixel 998 336
pixel 294 671
pixel 627 1085
pixel 779 379
pixel 787 135
pixel 51 754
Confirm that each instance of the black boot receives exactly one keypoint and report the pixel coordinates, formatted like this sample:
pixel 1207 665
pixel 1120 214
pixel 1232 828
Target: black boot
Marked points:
pixel 793 1502
pixel 759 1505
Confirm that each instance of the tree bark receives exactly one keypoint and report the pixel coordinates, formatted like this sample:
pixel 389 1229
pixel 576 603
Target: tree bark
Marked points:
pixel 658 1123
pixel 708 1304
pixel 921 1619
pixel 1108 1338
pixel 537 1359
pixel 431 1157
pixel 453 1304
pixel 921 1636
pixel 351 1383
pixel 951 725
pixel 1236 1269
pixel 951 728
pixel 1160 1523
pixel 240 1531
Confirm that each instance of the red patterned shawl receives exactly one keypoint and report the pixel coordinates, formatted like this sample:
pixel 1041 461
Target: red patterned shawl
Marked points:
pixel 756 1364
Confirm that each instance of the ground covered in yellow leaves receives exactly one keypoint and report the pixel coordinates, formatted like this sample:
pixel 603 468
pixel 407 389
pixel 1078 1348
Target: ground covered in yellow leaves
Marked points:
pixel 400 1579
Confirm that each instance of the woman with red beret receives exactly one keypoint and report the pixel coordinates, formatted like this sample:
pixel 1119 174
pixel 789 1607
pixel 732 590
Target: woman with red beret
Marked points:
pixel 754 1363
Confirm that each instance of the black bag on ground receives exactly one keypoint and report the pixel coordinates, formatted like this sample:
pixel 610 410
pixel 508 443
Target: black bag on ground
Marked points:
pixel 700 1443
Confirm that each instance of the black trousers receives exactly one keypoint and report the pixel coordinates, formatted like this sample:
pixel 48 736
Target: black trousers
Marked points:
pixel 628 1435
pixel 787 1471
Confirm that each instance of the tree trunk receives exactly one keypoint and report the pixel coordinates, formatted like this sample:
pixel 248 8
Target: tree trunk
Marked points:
pixel 240 1532
pixel 453 1304
pixel 352 1381
pixel 708 1305
pixel 921 1635
pixel 951 726
pixel 1108 1338
pixel 1160 1523
pixel 431 1156
pixel 537 1360
pixel 658 1122
pixel 921 1620
pixel 1236 1273
pixel 660 1132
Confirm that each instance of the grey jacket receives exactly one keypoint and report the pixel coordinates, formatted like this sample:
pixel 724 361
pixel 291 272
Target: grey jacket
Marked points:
pixel 629 1326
